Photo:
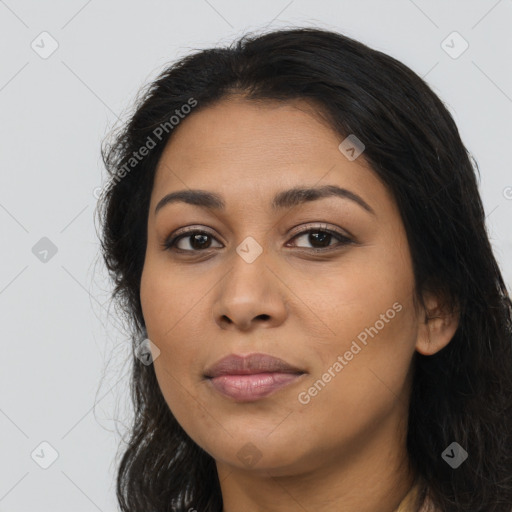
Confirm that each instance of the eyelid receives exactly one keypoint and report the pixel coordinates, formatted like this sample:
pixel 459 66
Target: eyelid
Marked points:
pixel 321 226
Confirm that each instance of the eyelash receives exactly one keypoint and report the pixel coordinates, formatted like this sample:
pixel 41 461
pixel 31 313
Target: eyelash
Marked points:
pixel 170 243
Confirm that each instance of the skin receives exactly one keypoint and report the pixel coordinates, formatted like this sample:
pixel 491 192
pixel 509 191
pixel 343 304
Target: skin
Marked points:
pixel 346 446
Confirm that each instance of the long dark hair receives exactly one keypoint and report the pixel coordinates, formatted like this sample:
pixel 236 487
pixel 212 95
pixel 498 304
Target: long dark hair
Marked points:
pixel 461 394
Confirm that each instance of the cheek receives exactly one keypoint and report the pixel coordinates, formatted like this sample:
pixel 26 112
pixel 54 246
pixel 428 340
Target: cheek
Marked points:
pixel 196 417
pixel 171 329
pixel 167 300
pixel 167 312
pixel 170 314
pixel 362 292
pixel 360 380
pixel 373 329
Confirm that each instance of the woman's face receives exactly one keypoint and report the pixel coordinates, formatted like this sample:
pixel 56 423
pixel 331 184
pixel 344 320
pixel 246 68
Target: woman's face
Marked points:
pixel 335 304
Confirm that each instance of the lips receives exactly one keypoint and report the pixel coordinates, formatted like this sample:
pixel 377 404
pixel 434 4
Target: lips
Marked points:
pixel 252 377
pixel 251 364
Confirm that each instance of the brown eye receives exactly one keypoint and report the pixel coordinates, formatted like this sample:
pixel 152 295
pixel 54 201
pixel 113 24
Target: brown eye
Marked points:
pixel 190 241
pixel 322 238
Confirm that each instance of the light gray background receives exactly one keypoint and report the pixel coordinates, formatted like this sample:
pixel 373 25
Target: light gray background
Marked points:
pixel 64 377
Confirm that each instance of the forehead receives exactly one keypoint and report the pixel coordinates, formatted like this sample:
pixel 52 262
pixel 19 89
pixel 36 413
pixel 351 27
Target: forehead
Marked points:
pixel 249 148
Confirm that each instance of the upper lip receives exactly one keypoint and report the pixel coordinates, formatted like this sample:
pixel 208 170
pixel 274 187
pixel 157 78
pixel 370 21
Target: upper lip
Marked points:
pixel 245 365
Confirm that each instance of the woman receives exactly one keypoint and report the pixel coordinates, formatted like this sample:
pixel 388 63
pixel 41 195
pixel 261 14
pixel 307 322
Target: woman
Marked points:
pixel 294 229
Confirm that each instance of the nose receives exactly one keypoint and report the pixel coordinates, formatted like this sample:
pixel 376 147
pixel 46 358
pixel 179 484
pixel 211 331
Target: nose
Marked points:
pixel 249 296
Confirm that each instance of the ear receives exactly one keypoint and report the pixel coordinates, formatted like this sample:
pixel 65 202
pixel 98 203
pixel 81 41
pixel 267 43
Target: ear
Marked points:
pixel 437 325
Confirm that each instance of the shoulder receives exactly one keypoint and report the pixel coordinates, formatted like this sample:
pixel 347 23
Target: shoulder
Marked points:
pixel 417 495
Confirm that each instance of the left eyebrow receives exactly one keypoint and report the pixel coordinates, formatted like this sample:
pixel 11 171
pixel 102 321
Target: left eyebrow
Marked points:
pixel 283 199
pixel 297 195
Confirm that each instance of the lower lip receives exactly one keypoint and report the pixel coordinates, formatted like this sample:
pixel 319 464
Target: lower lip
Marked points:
pixel 249 388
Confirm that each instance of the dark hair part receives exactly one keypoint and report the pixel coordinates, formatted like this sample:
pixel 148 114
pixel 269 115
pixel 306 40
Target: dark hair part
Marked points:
pixel 464 392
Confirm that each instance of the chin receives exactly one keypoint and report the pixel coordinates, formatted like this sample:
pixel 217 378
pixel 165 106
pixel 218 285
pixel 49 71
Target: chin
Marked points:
pixel 258 455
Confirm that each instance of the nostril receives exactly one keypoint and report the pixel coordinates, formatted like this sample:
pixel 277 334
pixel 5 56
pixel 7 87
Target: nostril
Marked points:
pixel 226 319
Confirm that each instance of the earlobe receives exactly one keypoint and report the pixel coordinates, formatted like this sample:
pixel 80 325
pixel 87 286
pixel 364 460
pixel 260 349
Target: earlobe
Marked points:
pixel 436 328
